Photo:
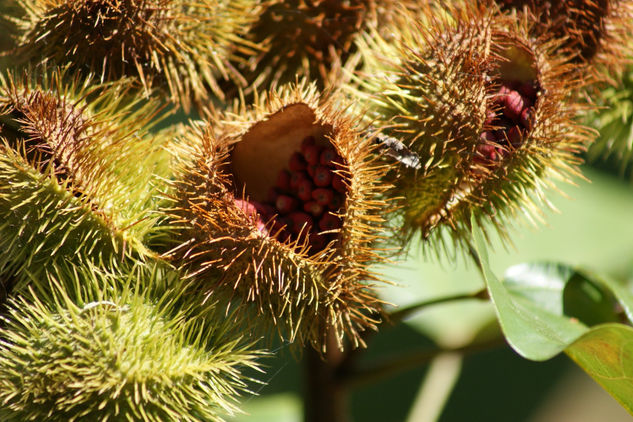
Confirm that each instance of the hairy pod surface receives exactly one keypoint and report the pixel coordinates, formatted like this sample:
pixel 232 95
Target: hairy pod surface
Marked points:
pixel 597 34
pixel 280 209
pixel 67 188
pixel 312 38
pixel 485 106
pixel 178 46
pixel 118 353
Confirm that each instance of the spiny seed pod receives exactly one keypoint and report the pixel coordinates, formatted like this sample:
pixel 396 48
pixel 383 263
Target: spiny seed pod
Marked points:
pixel 596 33
pixel 614 121
pixel 180 46
pixel 484 107
pixel 312 38
pixel 304 269
pixel 119 355
pixel 66 189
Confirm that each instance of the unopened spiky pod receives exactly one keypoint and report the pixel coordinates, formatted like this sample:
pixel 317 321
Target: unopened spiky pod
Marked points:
pixel 283 213
pixel 614 121
pixel 595 33
pixel 311 38
pixel 180 46
pixel 66 189
pixel 485 108
pixel 118 354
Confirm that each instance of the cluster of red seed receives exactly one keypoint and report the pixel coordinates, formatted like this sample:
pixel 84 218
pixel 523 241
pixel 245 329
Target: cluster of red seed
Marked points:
pixel 509 119
pixel 306 198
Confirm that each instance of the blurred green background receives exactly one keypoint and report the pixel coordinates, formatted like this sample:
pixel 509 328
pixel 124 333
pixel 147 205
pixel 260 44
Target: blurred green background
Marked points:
pixel 592 228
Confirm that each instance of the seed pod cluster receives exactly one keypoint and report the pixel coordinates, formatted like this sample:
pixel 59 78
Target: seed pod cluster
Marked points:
pixel 486 108
pixel 283 214
pixel 176 46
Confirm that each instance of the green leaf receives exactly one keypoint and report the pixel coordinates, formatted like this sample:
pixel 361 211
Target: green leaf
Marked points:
pixel 545 309
pixel 606 354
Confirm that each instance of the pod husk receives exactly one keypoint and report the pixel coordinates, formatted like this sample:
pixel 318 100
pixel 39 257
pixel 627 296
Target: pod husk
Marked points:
pixel 306 296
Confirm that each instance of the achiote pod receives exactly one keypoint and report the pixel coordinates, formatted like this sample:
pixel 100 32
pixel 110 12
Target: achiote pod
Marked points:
pixel 67 191
pixel 114 348
pixel 179 46
pixel 597 34
pixel 484 106
pixel 280 210
pixel 312 38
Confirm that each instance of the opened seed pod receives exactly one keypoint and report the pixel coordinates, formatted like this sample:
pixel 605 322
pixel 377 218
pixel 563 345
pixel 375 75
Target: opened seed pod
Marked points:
pixel 66 191
pixel 596 33
pixel 484 106
pixel 280 211
pixel 178 46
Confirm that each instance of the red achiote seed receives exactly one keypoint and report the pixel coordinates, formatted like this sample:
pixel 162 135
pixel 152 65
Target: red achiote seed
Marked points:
pixel 297 162
pixel 500 97
pixel 487 136
pixel 311 169
pixel 329 157
pixel 265 210
pixel 329 222
pixel 514 103
pixel 296 177
pixel 491 116
pixel 313 208
pixel 514 136
pixel 318 242
pixel 311 153
pixel 322 196
pixel 304 190
pixel 301 222
pixel 283 180
pixel 286 204
pixel 526 115
pixel 338 184
pixel 528 90
pixel 489 152
pixel 336 203
pixel 322 176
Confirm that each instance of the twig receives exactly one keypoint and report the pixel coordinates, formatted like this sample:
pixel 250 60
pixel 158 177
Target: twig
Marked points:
pixel 401 314
pixel 408 361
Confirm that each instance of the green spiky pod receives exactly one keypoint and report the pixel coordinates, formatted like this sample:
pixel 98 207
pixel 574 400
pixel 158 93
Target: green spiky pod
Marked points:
pixel 598 34
pixel 614 120
pixel 97 353
pixel 311 38
pixel 178 46
pixel 485 108
pixel 280 210
pixel 67 190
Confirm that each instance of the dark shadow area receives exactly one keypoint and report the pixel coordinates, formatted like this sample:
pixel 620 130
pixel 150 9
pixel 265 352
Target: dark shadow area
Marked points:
pixel 390 399
pixel 499 385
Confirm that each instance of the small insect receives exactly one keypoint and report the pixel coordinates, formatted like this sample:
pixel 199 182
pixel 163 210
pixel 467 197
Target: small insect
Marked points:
pixel 397 150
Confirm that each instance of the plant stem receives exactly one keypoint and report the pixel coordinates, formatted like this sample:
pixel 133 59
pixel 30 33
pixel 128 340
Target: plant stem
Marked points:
pixel 326 396
pixel 407 361
pixel 401 314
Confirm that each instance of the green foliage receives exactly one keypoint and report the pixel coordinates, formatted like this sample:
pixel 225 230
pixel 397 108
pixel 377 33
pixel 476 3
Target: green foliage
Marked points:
pixel 545 309
pixel 118 350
